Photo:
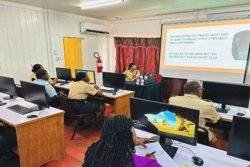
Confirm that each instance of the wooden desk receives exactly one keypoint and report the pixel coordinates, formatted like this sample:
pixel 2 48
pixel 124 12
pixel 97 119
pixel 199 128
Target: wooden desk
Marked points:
pixel 39 140
pixel 212 157
pixel 121 99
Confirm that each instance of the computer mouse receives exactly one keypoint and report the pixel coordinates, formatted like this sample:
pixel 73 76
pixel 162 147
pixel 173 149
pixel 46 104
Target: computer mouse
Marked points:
pixel 198 161
pixel 31 116
pixel 240 114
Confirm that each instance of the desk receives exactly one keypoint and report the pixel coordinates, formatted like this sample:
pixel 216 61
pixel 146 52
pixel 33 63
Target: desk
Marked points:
pixel 39 140
pixel 121 99
pixel 149 92
pixel 228 117
pixel 212 157
pixel 225 122
pixel 62 86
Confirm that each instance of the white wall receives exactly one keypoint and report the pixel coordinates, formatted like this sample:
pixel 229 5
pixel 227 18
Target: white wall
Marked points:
pixel 30 35
pixel 151 26
pixel 22 40
pixel 66 25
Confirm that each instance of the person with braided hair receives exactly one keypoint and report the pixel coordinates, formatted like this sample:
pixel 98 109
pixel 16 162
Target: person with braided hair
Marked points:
pixel 116 147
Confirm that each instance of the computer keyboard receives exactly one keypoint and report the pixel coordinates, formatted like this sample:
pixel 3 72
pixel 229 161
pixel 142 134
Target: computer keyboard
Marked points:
pixel 107 90
pixel 20 109
pixel 170 150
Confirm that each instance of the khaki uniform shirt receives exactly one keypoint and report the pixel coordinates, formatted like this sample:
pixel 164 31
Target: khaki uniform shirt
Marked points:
pixel 207 109
pixel 80 90
pixel 132 75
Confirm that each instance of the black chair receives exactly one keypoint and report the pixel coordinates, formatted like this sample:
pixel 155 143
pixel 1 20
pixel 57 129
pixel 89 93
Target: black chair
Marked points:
pixel 97 118
pixel 203 136
pixel 19 91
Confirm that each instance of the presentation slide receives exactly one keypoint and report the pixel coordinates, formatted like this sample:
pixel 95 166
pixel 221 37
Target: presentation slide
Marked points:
pixel 211 51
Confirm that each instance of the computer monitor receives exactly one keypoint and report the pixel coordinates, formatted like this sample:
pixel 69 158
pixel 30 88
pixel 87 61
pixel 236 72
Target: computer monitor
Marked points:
pixel 7 86
pixel 63 73
pixel 113 80
pixel 239 138
pixel 173 122
pixel 237 95
pixel 90 73
pixel 35 93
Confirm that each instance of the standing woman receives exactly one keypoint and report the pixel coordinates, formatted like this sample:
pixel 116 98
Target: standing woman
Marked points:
pixel 132 73
pixel 116 147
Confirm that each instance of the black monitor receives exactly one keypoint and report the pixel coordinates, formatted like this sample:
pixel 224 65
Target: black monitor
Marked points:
pixel 239 142
pixel 35 93
pixel 173 122
pixel 91 74
pixel 7 86
pixel 113 80
pixel 231 94
pixel 63 74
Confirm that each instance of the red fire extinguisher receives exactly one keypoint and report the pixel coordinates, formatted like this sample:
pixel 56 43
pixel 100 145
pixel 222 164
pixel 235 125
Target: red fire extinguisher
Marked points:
pixel 98 62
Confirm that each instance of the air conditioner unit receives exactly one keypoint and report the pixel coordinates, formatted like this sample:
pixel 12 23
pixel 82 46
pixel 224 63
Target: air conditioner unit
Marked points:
pixel 86 28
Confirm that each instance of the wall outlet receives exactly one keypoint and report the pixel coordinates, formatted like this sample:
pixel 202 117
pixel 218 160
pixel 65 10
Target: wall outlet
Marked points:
pixel 55 52
pixel 57 58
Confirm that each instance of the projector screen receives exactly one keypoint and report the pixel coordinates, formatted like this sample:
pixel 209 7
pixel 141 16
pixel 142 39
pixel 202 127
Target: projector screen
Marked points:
pixel 210 51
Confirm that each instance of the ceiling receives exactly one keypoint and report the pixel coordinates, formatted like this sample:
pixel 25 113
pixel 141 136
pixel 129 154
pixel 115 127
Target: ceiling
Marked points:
pixel 131 8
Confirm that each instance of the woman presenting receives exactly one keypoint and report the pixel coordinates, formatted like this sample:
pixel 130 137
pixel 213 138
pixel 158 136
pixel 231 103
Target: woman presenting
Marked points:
pixel 132 74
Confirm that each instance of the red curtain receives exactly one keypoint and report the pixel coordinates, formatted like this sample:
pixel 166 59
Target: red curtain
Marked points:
pixel 144 52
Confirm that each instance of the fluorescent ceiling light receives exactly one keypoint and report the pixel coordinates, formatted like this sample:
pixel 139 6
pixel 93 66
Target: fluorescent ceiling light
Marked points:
pixel 99 3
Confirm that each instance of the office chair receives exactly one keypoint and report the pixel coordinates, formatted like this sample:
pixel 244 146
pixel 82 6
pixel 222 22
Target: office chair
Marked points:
pixel 203 137
pixel 98 118
pixel 19 91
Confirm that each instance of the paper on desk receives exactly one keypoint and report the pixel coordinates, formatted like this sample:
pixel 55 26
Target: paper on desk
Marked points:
pixel 143 134
pixel 161 156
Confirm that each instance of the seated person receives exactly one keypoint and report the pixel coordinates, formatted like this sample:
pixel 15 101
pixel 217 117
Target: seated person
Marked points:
pixel 79 92
pixel 192 99
pixel 7 141
pixel 132 74
pixel 116 147
pixel 42 79
pixel 35 68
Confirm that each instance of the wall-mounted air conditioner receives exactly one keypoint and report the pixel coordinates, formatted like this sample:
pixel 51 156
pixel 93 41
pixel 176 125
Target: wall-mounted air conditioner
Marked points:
pixel 86 28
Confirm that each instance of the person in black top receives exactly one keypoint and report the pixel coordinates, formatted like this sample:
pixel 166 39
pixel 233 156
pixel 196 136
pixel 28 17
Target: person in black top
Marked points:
pixel 7 140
